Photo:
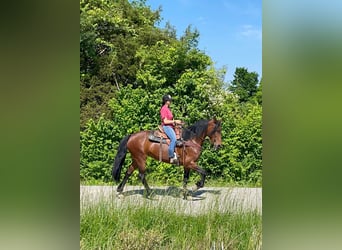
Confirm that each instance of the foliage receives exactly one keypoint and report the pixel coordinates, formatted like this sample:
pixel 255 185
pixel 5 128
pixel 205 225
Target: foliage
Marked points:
pixel 110 34
pixel 244 84
pixel 258 95
pixel 239 160
pixel 97 150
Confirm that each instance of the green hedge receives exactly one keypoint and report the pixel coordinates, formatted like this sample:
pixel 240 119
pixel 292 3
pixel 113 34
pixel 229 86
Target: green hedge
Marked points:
pixel 238 161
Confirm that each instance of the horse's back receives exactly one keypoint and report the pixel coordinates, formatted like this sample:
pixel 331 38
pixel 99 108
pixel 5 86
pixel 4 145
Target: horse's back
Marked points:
pixel 137 142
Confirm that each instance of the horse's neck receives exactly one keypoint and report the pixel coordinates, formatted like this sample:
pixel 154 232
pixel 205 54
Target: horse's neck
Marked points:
pixel 199 140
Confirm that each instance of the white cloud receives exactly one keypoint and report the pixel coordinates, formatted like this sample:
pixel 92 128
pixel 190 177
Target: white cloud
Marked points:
pixel 251 32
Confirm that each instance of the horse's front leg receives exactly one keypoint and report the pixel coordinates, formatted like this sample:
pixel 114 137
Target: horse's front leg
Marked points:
pixel 203 174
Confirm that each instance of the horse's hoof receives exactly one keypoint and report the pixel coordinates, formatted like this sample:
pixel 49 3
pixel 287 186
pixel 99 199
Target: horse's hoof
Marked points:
pixel 188 198
pixel 120 195
pixel 148 194
pixel 186 193
pixel 151 196
pixel 194 189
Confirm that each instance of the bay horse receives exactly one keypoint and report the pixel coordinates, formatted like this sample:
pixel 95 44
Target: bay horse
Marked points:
pixel 140 147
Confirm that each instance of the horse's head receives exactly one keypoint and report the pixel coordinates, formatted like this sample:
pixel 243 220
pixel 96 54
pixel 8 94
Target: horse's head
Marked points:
pixel 214 132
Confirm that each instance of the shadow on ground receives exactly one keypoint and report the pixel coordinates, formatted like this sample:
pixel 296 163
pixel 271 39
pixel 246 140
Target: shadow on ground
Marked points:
pixel 172 191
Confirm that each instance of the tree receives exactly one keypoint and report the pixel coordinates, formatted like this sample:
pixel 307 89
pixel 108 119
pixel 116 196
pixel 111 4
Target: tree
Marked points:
pixel 245 84
pixel 111 32
pixel 258 95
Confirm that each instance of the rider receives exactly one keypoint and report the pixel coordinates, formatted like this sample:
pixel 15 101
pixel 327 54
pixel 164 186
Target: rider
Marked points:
pixel 168 125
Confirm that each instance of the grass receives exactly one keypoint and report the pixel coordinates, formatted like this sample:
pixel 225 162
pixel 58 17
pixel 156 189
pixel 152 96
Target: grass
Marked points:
pixel 105 225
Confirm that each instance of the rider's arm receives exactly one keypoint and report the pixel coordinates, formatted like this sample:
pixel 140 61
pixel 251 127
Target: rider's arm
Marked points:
pixel 166 121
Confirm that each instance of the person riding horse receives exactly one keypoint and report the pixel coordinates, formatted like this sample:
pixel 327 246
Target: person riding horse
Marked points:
pixel 168 124
pixel 140 147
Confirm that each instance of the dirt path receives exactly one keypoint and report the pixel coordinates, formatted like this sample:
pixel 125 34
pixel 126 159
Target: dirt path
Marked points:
pixel 222 199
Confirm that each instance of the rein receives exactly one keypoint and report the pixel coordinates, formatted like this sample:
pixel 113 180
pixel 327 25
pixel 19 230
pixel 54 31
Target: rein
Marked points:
pixel 217 125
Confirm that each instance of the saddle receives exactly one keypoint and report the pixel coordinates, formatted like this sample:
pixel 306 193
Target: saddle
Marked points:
pixel 160 136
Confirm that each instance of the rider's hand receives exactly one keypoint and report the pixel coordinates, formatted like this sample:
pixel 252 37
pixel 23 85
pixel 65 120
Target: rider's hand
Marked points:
pixel 178 122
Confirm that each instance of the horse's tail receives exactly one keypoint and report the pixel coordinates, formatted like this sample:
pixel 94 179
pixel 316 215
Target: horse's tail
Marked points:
pixel 120 159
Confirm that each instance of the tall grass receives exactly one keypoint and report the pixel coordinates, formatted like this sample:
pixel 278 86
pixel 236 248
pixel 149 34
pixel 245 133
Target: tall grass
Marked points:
pixel 107 226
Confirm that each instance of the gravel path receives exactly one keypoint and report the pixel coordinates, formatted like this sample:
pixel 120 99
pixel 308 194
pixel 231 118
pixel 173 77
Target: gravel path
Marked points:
pixel 222 199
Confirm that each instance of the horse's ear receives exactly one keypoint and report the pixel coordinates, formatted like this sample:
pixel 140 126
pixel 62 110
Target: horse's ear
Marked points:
pixel 218 122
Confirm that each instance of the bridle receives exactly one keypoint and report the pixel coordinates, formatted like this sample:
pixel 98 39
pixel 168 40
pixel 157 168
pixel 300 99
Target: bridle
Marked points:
pixel 217 125
pixel 202 138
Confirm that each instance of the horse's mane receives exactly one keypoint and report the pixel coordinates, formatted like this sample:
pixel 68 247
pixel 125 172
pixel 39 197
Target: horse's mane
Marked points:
pixel 195 130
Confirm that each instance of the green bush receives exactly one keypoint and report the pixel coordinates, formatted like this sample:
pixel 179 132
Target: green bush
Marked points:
pixel 97 150
pixel 238 161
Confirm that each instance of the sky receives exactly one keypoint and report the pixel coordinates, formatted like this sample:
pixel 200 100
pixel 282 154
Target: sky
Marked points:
pixel 230 30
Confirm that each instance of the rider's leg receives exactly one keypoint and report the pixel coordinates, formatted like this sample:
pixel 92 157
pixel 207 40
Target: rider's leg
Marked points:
pixel 172 135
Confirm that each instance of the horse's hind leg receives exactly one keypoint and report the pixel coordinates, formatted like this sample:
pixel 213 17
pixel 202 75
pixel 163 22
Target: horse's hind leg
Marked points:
pixel 143 180
pixel 141 165
pixel 185 182
pixel 127 175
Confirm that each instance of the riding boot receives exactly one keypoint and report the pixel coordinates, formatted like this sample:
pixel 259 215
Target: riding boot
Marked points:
pixel 174 160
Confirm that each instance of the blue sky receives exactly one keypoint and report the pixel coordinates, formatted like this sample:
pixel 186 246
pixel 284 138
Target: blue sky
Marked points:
pixel 230 30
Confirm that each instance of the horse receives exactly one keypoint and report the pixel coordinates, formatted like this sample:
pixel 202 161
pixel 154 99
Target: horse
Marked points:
pixel 140 147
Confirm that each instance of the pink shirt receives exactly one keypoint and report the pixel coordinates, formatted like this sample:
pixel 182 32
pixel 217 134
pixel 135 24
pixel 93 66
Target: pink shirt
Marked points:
pixel 165 112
